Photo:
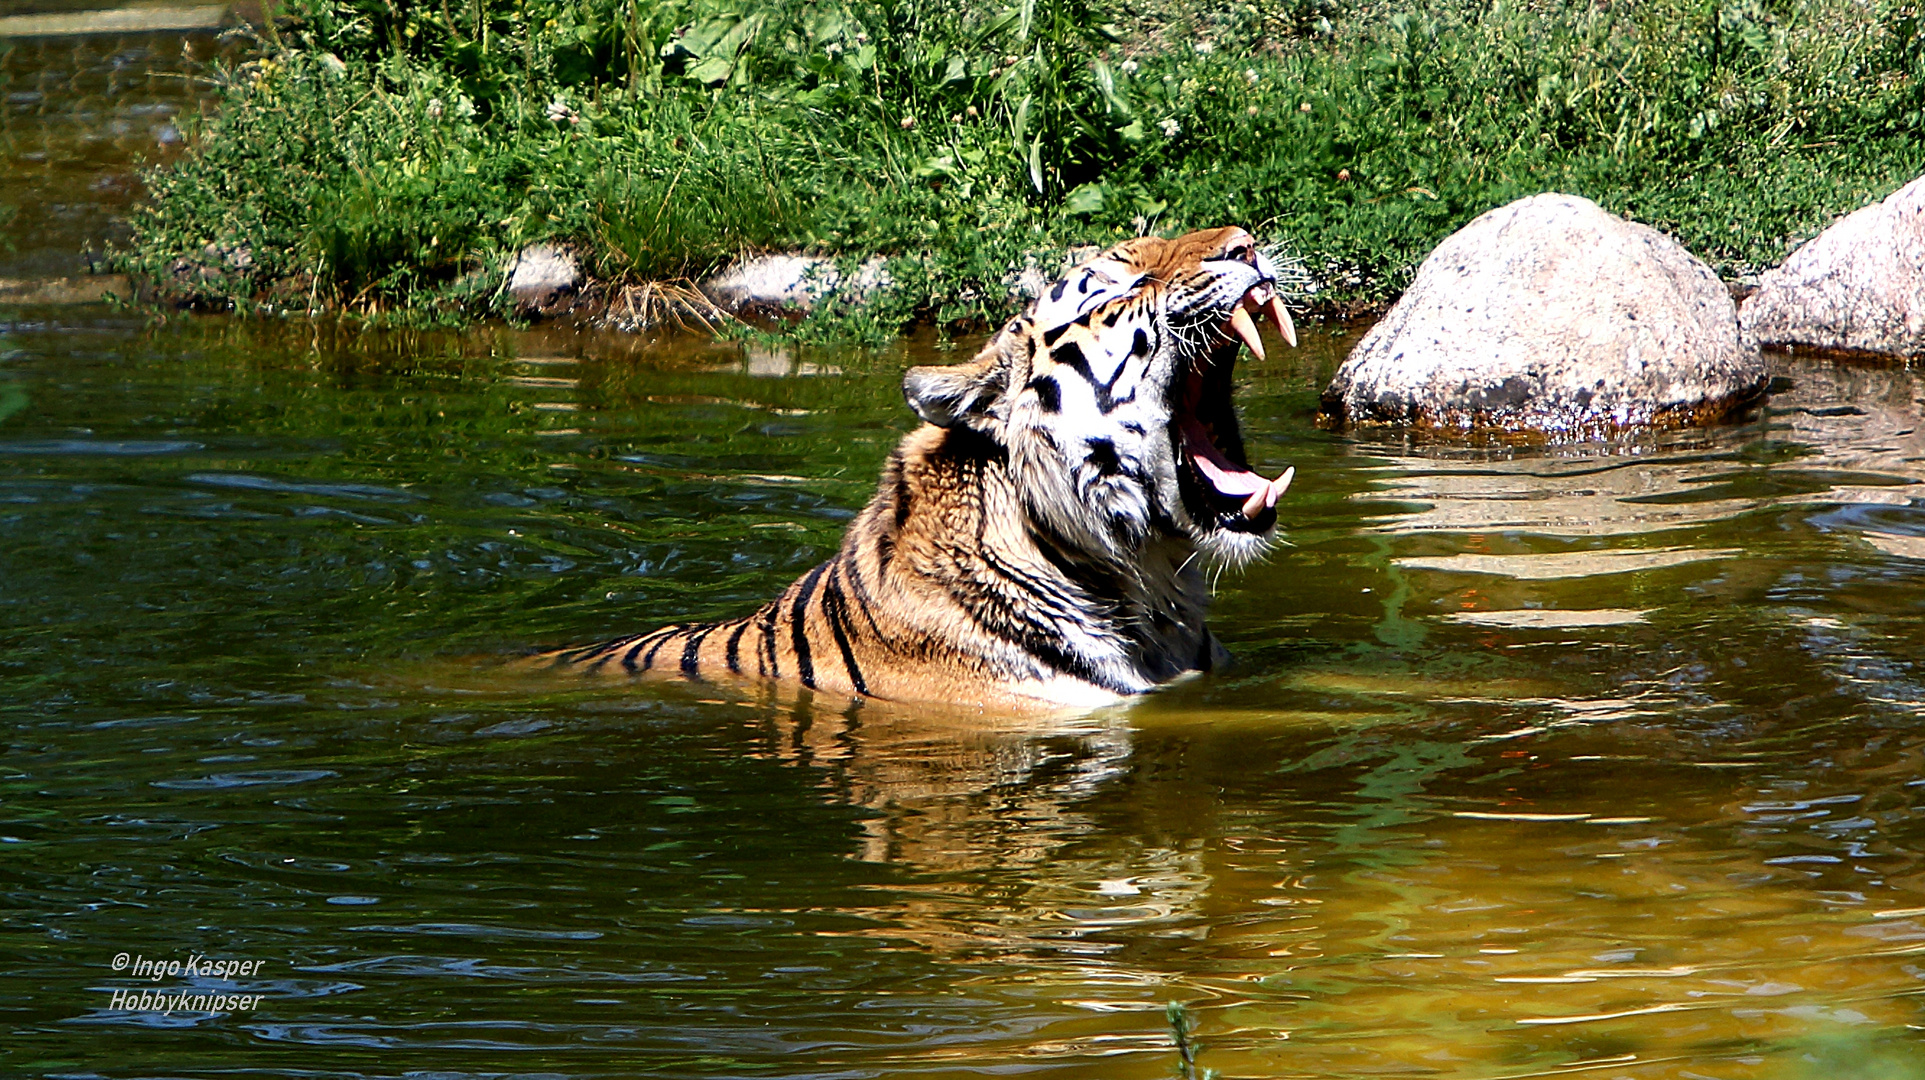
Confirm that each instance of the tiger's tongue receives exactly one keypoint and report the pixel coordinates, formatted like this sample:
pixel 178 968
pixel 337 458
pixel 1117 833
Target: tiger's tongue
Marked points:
pixel 1225 477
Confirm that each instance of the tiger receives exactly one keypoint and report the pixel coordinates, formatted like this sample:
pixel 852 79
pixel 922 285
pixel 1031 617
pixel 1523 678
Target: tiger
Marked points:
pixel 1036 542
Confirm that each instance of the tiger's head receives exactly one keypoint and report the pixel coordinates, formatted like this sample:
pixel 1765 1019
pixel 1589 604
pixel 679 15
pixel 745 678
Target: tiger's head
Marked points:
pixel 1111 397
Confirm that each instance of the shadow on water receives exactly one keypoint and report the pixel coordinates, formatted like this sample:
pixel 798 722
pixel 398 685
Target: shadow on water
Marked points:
pixel 1598 760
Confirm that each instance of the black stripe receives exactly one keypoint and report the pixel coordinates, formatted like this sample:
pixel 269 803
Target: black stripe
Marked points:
pixel 1070 355
pixel 860 589
pixel 735 647
pixel 692 652
pixel 833 609
pixel 1048 394
pixel 798 630
pixel 1045 645
pixel 1046 591
pixel 581 654
pixel 765 664
pixel 904 499
pixel 648 661
pixel 1055 334
pixel 1103 586
pixel 598 653
pixel 640 643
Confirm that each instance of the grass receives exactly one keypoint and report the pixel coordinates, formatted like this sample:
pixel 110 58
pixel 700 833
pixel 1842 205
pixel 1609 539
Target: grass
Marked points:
pixel 387 159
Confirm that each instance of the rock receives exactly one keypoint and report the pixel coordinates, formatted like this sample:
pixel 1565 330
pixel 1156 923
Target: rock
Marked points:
pixel 792 283
pixel 235 259
pixel 1028 282
pixel 1551 316
pixel 1859 287
pixel 544 279
pixel 216 262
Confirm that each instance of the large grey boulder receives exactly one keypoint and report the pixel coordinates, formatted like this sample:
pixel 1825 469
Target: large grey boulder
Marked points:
pixel 1551 316
pixel 1859 287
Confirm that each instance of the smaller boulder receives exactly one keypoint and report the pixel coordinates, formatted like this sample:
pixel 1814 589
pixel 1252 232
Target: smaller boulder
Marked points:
pixel 1028 282
pixel 1553 318
pixel 791 283
pixel 544 279
pixel 1858 287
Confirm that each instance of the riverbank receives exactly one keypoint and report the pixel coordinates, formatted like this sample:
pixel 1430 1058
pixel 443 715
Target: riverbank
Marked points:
pixel 394 166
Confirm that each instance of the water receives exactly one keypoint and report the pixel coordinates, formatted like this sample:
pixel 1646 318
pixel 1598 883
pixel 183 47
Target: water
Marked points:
pixel 1598 762
pixel 77 115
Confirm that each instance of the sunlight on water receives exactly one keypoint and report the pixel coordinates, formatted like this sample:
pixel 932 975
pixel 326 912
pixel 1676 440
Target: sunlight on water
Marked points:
pixel 1485 800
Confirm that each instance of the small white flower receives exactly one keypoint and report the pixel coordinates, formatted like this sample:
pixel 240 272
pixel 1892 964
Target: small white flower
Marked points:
pixel 1204 48
pixel 1129 67
pixel 434 108
pixel 1250 76
pixel 1170 127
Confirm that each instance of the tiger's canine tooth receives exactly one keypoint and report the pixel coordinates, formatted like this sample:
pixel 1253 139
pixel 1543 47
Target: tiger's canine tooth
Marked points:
pixel 1268 495
pixel 1280 485
pixel 1254 505
pixel 1246 328
pixel 1282 316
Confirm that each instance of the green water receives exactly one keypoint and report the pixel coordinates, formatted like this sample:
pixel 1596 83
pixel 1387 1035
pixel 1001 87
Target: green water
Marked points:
pixel 76 115
pixel 1596 762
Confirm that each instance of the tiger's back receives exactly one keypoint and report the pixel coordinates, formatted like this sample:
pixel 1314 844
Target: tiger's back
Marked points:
pixel 899 611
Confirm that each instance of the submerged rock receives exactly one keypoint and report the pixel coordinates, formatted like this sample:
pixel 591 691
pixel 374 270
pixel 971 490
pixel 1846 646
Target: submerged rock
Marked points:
pixel 1859 287
pixel 1551 316
pixel 544 279
pixel 791 283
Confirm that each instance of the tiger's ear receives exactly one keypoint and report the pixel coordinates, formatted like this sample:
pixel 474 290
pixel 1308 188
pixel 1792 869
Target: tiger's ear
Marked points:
pixel 953 394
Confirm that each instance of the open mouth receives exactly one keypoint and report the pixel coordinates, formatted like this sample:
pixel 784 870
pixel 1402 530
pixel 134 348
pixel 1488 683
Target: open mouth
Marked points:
pixel 1218 488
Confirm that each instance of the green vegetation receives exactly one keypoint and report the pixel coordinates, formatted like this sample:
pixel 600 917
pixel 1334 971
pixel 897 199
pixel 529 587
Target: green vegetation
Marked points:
pixel 1183 1036
pixel 388 155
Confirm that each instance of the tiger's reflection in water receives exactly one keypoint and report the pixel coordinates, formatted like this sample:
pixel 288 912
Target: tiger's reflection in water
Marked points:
pixel 1001 811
